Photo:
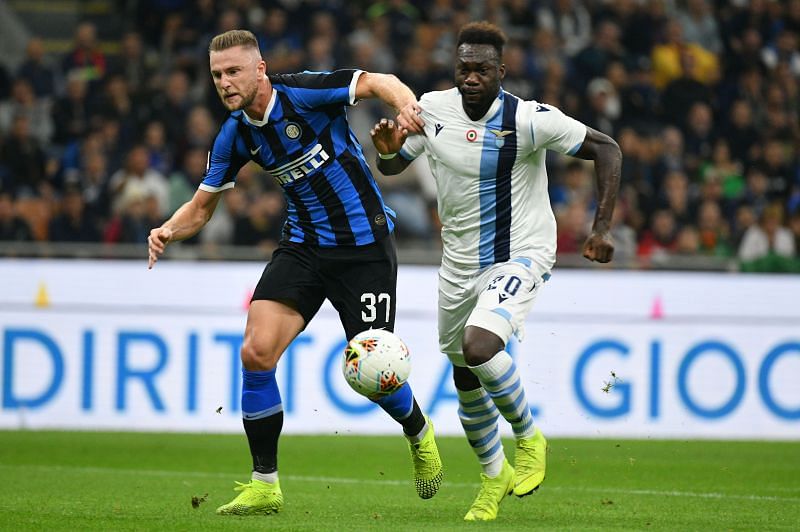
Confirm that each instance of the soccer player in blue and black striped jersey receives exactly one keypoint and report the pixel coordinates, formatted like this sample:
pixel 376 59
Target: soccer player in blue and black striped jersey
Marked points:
pixel 337 241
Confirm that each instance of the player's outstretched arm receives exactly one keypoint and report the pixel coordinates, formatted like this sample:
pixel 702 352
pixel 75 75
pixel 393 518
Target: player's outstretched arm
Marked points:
pixel 395 93
pixel 186 222
pixel 607 157
pixel 388 139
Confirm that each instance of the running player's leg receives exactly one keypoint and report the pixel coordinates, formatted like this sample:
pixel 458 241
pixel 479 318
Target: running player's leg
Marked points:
pixel 508 292
pixel 274 319
pixel 362 287
pixel 476 410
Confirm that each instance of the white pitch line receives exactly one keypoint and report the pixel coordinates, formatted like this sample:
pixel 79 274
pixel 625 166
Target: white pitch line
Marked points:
pixel 390 482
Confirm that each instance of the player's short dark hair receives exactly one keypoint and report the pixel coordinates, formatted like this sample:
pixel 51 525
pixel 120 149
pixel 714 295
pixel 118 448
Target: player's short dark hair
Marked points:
pixel 482 32
pixel 232 38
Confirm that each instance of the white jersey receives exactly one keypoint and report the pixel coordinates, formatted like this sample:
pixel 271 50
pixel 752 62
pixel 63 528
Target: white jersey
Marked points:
pixel 491 178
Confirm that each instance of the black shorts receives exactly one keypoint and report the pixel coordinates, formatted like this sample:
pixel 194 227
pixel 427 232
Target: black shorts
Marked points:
pixel 360 282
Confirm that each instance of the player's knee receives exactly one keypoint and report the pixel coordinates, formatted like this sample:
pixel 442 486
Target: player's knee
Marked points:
pixel 476 352
pixel 255 358
pixel 479 346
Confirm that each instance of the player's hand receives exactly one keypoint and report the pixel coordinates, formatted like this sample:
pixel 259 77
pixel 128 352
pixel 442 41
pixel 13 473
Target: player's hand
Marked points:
pixel 387 137
pixel 157 243
pixel 409 118
pixel 598 247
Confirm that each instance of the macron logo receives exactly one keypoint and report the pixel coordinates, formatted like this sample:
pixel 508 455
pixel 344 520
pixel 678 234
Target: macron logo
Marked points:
pixel 439 128
pixel 541 108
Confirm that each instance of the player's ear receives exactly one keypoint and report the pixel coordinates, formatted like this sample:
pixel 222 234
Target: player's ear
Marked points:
pixel 501 71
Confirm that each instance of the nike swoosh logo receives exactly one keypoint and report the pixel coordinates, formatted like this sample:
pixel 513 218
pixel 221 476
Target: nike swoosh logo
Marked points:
pixel 253 152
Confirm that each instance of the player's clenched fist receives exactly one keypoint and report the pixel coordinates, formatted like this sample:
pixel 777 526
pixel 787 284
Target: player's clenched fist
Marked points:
pixel 156 243
pixel 598 247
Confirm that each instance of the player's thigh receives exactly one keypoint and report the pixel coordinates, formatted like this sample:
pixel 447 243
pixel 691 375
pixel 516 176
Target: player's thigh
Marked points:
pixel 292 278
pixel 363 288
pixel 506 294
pixel 456 301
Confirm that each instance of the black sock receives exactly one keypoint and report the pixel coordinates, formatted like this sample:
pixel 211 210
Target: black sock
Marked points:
pixel 412 425
pixel 262 435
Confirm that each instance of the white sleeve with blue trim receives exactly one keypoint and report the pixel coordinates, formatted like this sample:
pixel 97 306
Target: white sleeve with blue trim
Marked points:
pixel 413 147
pixel 553 130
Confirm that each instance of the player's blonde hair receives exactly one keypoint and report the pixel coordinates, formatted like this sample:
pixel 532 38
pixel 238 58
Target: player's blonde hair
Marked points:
pixel 232 38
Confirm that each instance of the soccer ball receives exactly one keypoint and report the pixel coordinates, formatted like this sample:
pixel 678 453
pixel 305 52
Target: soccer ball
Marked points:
pixel 376 363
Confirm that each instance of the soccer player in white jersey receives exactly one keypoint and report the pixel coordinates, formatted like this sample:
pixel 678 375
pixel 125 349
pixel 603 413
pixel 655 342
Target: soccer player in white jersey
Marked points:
pixel 486 150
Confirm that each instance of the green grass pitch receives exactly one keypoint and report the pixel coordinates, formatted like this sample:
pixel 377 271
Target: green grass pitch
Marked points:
pixel 140 481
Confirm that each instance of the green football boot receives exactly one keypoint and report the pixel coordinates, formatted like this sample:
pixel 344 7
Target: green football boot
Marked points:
pixel 427 464
pixel 530 462
pixel 487 503
pixel 256 498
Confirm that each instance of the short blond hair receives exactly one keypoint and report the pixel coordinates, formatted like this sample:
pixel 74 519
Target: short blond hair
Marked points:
pixel 232 38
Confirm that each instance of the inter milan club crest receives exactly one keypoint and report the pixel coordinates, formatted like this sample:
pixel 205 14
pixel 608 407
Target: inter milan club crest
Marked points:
pixel 500 137
pixel 472 135
pixel 292 130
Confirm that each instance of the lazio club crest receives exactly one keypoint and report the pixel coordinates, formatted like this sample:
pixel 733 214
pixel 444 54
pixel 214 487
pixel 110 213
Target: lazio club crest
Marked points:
pixel 500 136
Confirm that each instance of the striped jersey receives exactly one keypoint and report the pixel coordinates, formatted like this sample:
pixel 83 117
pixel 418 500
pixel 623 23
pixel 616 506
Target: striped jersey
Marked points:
pixel 491 179
pixel 305 143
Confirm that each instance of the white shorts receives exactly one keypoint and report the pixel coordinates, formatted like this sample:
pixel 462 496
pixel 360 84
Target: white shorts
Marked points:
pixel 497 299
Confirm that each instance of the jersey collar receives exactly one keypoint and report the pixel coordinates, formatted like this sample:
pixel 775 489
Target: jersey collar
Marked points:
pixel 270 106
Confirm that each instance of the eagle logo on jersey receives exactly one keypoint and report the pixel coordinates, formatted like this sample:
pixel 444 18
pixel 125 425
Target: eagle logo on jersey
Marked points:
pixel 500 136
pixel 292 130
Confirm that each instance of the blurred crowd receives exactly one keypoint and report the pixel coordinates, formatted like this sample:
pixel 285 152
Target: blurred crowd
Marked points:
pixel 702 96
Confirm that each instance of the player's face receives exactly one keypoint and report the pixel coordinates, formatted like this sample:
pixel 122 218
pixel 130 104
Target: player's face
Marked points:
pixel 236 72
pixel 478 74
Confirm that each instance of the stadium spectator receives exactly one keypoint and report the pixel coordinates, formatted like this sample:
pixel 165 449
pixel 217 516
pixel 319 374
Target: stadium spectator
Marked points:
pixel 592 61
pixel 570 21
pixel 712 231
pixel 660 237
pixel 282 45
pixel 37 70
pixel 687 241
pixel 700 26
pixel 25 160
pixel 74 223
pixel 768 238
pixel 85 58
pixel 741 134
pixel 724 170
pixel 159 152
pixel 139 180
pixel 135 65
pixel 184 182
pixel 23 101
pixel 72 112
pixel 604 106
pixel 12 226
pixel 670 57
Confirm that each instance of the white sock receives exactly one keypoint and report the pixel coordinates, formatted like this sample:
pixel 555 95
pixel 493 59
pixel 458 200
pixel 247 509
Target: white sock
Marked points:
pixel 478 416
pixel 500 378
pixel 270 478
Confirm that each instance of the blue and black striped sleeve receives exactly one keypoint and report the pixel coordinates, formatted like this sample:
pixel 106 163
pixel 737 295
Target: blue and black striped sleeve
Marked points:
pixel 317 89
pixel 225 159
